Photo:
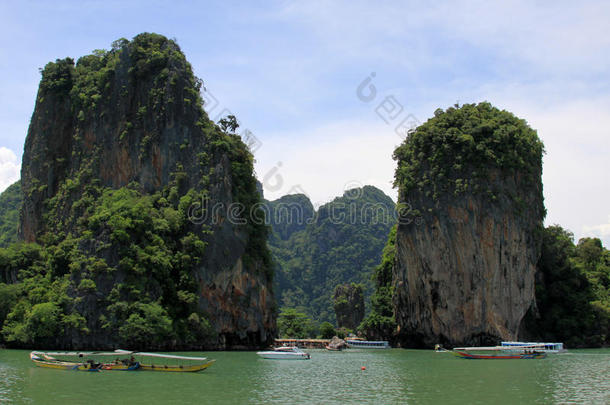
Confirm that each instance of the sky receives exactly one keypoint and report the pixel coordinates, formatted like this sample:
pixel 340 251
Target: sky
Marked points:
pixel 326 89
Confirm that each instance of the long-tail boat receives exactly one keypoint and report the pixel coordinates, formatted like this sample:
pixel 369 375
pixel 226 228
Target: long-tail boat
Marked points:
pixel 498 353
pixel 81 362
pixel 119 360
pixel 168 362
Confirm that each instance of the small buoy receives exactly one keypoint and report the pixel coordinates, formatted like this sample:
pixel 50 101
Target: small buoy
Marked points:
pixel 363 368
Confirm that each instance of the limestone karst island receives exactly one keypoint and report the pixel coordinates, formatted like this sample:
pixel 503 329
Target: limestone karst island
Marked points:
pixel 147 228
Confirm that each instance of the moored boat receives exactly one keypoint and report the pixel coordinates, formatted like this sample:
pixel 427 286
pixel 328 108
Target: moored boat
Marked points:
pixel 46 360
pixel 538 346
pixel 356 343
pixel 285 353
pixel 497 353
pixel 119 360
pixel 168 362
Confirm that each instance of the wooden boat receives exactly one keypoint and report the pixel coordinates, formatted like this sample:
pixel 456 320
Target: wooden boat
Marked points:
pixel 119 360
pixel 497 353
pixel 45 360
pixel 285 353
pixel 168 362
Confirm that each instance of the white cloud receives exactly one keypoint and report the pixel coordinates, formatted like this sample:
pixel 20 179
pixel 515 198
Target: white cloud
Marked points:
pixel 601 231
pixel 10 168
pixel 560 36
pixel 576 172
pixel 324 161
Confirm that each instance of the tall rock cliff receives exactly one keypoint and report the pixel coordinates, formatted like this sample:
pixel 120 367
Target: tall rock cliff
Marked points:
pixel 468 238
pixel 151 203
pixel 348 300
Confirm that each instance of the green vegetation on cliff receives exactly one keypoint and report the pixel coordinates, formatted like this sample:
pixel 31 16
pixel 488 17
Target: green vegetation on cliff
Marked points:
pixel 572 291
pixel 10 202
pixel 460 150
pixel 156 299
pixel 316 251
pixel 380 323
pixel 118 155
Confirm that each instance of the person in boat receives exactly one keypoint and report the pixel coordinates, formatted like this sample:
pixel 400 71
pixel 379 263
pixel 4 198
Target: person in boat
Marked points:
pixel 93 365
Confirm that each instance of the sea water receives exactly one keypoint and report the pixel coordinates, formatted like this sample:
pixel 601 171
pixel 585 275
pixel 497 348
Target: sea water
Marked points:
pixel 394 376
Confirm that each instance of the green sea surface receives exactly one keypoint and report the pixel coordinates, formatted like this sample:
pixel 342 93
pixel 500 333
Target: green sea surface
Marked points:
pixel 394 376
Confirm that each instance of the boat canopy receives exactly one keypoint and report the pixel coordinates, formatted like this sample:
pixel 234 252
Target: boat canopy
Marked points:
pixel 120 352
pixel 165 356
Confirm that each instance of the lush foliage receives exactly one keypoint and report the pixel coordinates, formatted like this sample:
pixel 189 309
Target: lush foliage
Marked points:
pixel 297 325
pixel 157 298
pixel 120 264
pixel 380 323
pixel 10 202
pixel 327 330
pixel 459 150
pixel 340 243
pixel 572 290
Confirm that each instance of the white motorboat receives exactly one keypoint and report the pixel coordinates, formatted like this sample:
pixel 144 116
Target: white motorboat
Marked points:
pixel 285 353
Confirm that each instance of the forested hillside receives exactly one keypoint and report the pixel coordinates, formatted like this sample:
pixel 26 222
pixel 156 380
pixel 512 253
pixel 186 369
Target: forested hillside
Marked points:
pixel 339 243
pixel 10 202
pixel 572 291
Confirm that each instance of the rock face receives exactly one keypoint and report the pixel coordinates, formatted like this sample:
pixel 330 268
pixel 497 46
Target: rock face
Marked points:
pixel 348 301
pixel 337 343
pixel 468 241
pixel 133 117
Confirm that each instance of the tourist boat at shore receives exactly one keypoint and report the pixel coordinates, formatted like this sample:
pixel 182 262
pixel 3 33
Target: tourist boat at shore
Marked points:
pixel 285 353
pixel 357 343
pixel 498 353
pixel 121 360
pixel 538 346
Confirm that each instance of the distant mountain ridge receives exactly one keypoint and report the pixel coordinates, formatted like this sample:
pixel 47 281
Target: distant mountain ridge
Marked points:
pixel 314 251
pixel 10 202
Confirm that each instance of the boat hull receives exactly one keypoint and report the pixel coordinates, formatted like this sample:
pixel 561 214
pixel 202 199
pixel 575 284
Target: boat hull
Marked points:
pixel 505 356
pixel 283 356
pixel 176 368
pixel 64 365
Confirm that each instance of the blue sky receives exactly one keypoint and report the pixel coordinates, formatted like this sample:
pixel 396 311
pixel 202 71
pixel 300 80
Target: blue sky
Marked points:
pixel 290 72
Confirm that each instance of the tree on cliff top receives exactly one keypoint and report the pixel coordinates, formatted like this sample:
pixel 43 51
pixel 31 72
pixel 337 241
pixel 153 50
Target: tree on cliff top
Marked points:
pixel 457 150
